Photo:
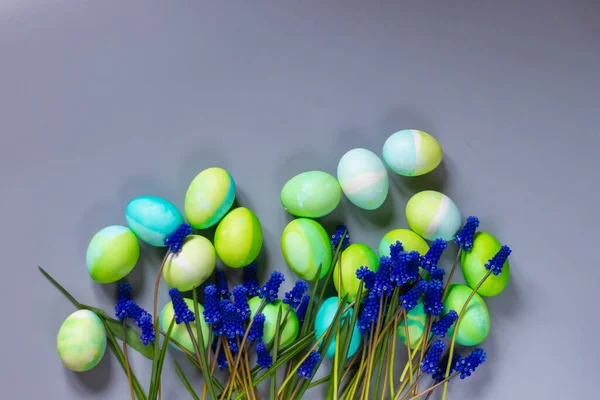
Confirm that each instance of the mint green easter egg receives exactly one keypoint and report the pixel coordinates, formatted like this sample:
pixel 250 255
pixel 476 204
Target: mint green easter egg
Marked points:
pixel 311 194
pixel 238 238
pixel 271 310
pixel 472 262
pixel 153 219
pixel 325 317
pixel 363 178
pixel 81 341
pixel 306 246
pixel 192 266
pixel 433 215
pixel 416 325
pixel 410 242
pixel 475 323
pixel 411 152
pixel 112 253
pixel 208 198
pixel 180 332
pixel 353 257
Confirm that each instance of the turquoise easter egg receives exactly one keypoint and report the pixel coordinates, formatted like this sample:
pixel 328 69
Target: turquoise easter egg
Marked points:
pixel 472 262
pixel 416 325
pixel 475 323
pixel 311 194
pixel 192 266
pixel 81 341
pixel 180 332
pixel 410 152
pixel 270 311
pixel 363 178
pixel 238 238
pixel 208 198
pixel 325 317
pixel 112 253
pixel 306 246
pixel 410 242
pixel 153 219
pixel 353 257
pixel 433 215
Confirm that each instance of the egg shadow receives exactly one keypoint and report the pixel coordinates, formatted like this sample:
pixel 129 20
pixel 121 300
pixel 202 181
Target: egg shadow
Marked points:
pixel 434 180
pixel 381 217
pixel 96 380
pixel 94 219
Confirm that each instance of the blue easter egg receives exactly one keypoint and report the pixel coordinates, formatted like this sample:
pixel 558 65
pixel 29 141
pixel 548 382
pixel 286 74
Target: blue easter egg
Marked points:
pixel 363 178
pixel 152 219
pixel 325 317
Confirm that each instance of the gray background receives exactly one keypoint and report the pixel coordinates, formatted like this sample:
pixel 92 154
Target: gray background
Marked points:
pixel 102 101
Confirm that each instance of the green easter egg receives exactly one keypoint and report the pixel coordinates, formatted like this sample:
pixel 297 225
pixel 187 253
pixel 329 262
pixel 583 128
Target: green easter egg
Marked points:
pixel 311 194
pixel 355 256
pixel 410 242
pixel 112 254
pixel 411 152
pixel 475 323
pixel 433 215
pixel 238 238
pixel 192 266
pixel 416 325
pixel 81 341
pixel 363 178
pixel 208 198
pixel 180 332
pixel 292 326
pixel 472 262
pixel 325 317
pixel 306 246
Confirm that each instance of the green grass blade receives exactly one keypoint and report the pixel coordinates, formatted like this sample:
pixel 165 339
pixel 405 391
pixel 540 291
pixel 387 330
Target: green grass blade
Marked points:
pixel 275 351
pixel 185 381
pixel 59 287
pixel 306 324
pixel 157 372
pixel 290 352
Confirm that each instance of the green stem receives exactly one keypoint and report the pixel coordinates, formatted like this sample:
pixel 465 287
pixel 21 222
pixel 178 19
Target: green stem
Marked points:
pixel 127 365
pixel 431 389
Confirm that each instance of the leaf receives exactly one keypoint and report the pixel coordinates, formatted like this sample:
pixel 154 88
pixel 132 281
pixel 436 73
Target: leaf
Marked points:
pixel 133 337
pixel 159 358
pixel 59 287
pixel 185 381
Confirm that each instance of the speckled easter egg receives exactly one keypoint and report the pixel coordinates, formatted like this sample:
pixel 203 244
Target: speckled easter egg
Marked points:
pixel 81 341
pixel 292 326
pixel 325 317
pixel 472 262
pixel 475 323
pixel 410 152
pixel 355 256
pixel 311 194
pixel 306 246
pixel 153 219
pixel 209 197
pixel 363 178
pixel 238 238
pixel 180 332
pixel 410 242
pixel 433 215
pixel 112 253
pixel 416 325
pixel 192 266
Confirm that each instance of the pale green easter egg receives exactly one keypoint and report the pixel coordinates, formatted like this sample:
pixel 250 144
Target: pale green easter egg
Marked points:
pixel 209 196
pixel 433 215
pixel 112 253
pixel 416 325
pixel 271 310
pixel 410 242
pixel 325 317
pixel 306 246
pixel 475 323
pixel 238 238
pixel 192 266
pixel 153 219
pixel 81 341
pixel 411 152
pixel 355 256
pixel 363 178
pixel 311 194
pixel 180 332
pixel 472 262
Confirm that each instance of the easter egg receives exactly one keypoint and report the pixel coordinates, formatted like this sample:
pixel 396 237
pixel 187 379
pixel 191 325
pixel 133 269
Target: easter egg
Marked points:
pixel 433 215
pixel 363 178
pixel 410 242
pixel 152 219
pixel 270 311
pixel 475 323
pixel 81 341
pixel 209 197
pixel 416 325
pixel 472 262
pixel 112 253
pixel 192 266
pixel 311 194
pixel 238 238
pixel 355 256
pixel 325 317
pixel 410 152
pixel 306 246
pixel 180 332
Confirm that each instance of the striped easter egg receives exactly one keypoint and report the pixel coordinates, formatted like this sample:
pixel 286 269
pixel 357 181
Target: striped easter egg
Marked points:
pixel 306 246
pixel 363 178
pixel 410 152
pixel 433 215
pixel 208 198
pixel 238 238
pixel 112 253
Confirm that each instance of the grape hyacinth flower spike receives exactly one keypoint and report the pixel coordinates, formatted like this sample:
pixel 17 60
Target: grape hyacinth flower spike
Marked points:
pixel 257 329
pixel 467 365
pixel 175 241
pixel 370 313
pixel 222 285
pixel 127 308
pixel 294 296
pixel 250 280
pixel 432 359
pixel 497 262
pixel 430 260
pixel 341 234
pixel 180 308
pixel 302 308
pixel 465 237
pixel 264 357
pixel 240 301
pixel 270 291
pixel 306 369
pixel 123 296
pixel 410 300
pixel 433 298
pixel 440 327
pixel 212 311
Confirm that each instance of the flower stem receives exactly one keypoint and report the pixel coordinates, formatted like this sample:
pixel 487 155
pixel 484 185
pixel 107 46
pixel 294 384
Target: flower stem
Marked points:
pixel 389 355
pixel 336 360
pixel 127 365
pixel 410 388
pixel 423 347
pixel 394 339
pixel 431 389
pixel 212 368
pixel 451 274
pixel 410 365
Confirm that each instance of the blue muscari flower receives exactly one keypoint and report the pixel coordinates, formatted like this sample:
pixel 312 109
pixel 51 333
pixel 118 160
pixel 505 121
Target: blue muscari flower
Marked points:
pixel 221 357
pixel 264 357
pixel 467 365
pixel 222 285
pixel 258 327
pixel 302 308
pixel 440 373
pixel 231 322
pixel 432 359
pixel 405 267
pixel 233 346
pixel 270 291
pixel 241 302
pixel 497 262
pixel 465 237
pixel 367 276
pixel 133 311
pixel 145 323
pixel 396 249
pixel 306 369
pixel 250 280
pixel 212 310
pixel 437 273
pixel 370 312
pixel 432 257
pixel 180 308
pixel 382 284
pixel 337 236
pixel 175 240
pixel 433 298
pixel 410 300
pixel 123 296
pixel 142 318
pixel 294 296
pixel 441 326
